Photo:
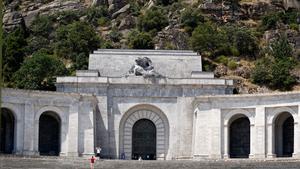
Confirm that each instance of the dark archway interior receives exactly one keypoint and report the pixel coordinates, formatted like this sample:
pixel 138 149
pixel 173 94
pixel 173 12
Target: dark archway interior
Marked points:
pixel 7 131
pixel 284 135
pixel 49 134
pixel 240 138
pixel 144 140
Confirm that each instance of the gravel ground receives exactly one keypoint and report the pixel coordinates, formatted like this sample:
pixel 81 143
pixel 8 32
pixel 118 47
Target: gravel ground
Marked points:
pixel 82 163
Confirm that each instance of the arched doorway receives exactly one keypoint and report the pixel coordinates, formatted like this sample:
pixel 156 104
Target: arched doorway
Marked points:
pixel 240 138
pixel 144 140
pixel 49 134
pixel 284 135
pixel 7 131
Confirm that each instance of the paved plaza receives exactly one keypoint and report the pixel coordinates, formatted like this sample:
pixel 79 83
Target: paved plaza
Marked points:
pixel 83 163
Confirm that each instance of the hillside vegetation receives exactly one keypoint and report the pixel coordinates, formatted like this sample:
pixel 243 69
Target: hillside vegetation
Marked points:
pixel 255 43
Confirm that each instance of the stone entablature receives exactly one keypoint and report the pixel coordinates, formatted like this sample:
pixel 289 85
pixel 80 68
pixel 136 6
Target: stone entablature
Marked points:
pixel 145 81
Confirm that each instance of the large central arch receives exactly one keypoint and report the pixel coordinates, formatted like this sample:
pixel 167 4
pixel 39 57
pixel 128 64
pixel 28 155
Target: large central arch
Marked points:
pixel 150 114
pixel 144 140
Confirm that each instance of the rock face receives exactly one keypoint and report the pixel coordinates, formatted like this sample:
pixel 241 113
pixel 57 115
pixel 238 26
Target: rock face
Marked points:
pixel 171 38
pixel 28 10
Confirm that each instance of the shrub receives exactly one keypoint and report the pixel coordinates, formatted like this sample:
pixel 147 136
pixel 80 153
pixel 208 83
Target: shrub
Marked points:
pixel 93 15
pixel 36 43
pixel 153 20
pixel 232 65
pixel 67 17
pixel 191 18
pixel 269 21
pixel 115 35
pixel 294 26
pixel 103 21
pixel 222 59
pixel 140 40
pixel 42 26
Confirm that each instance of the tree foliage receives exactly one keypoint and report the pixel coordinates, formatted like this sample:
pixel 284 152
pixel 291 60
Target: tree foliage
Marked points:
pixel 39 72
pixel 140 40
pixel 207 38
pixel 224 40
pixel 274 71
pixel 78 38
pixel 13 52
pixel 191 18
pixel 153 20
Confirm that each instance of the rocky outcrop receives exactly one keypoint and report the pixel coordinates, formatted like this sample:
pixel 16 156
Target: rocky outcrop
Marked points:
pixel 171 38
pixel 25 11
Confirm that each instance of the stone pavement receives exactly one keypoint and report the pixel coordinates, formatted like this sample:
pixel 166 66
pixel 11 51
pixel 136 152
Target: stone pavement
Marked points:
pixel 83 163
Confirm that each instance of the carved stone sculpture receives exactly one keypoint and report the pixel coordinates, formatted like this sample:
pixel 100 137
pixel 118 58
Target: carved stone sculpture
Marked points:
pixel 143 67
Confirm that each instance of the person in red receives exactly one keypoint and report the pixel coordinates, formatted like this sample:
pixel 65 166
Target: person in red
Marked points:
pixel 92 161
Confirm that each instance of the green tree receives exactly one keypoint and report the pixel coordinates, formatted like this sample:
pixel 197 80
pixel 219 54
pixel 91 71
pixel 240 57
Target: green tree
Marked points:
pixel 140 40
pixel 275 72
pixel 39 72
pixel 153 20
pixel 78 38
pixel 245 42
pixel 13 52
pixel 191 18
pixel 207 38
pixel 42 26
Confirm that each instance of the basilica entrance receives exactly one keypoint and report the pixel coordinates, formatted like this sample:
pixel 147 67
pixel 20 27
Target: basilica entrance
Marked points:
pixel 240 138
pixel 7 131
pixel 284 135
pixel 144 140
pixel 49 132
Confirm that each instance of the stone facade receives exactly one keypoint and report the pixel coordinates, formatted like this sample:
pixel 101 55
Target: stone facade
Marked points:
pixel 191 110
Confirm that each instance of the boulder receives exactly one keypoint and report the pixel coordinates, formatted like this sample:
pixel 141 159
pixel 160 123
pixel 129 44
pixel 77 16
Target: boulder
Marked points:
pixel 127 23
pixel 122 10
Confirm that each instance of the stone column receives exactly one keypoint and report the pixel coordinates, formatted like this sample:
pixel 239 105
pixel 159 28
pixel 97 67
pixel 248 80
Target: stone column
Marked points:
pixel 73 130
pixel 296 153
pixel 271 141
pixel 30 131
pixel 226 142
pixel 252 140
pixel 259 144
pixel 63 139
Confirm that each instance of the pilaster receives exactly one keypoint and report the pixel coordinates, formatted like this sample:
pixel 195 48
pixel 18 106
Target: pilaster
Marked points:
pixel 30 132
pixel 259 139
pixel 73 130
